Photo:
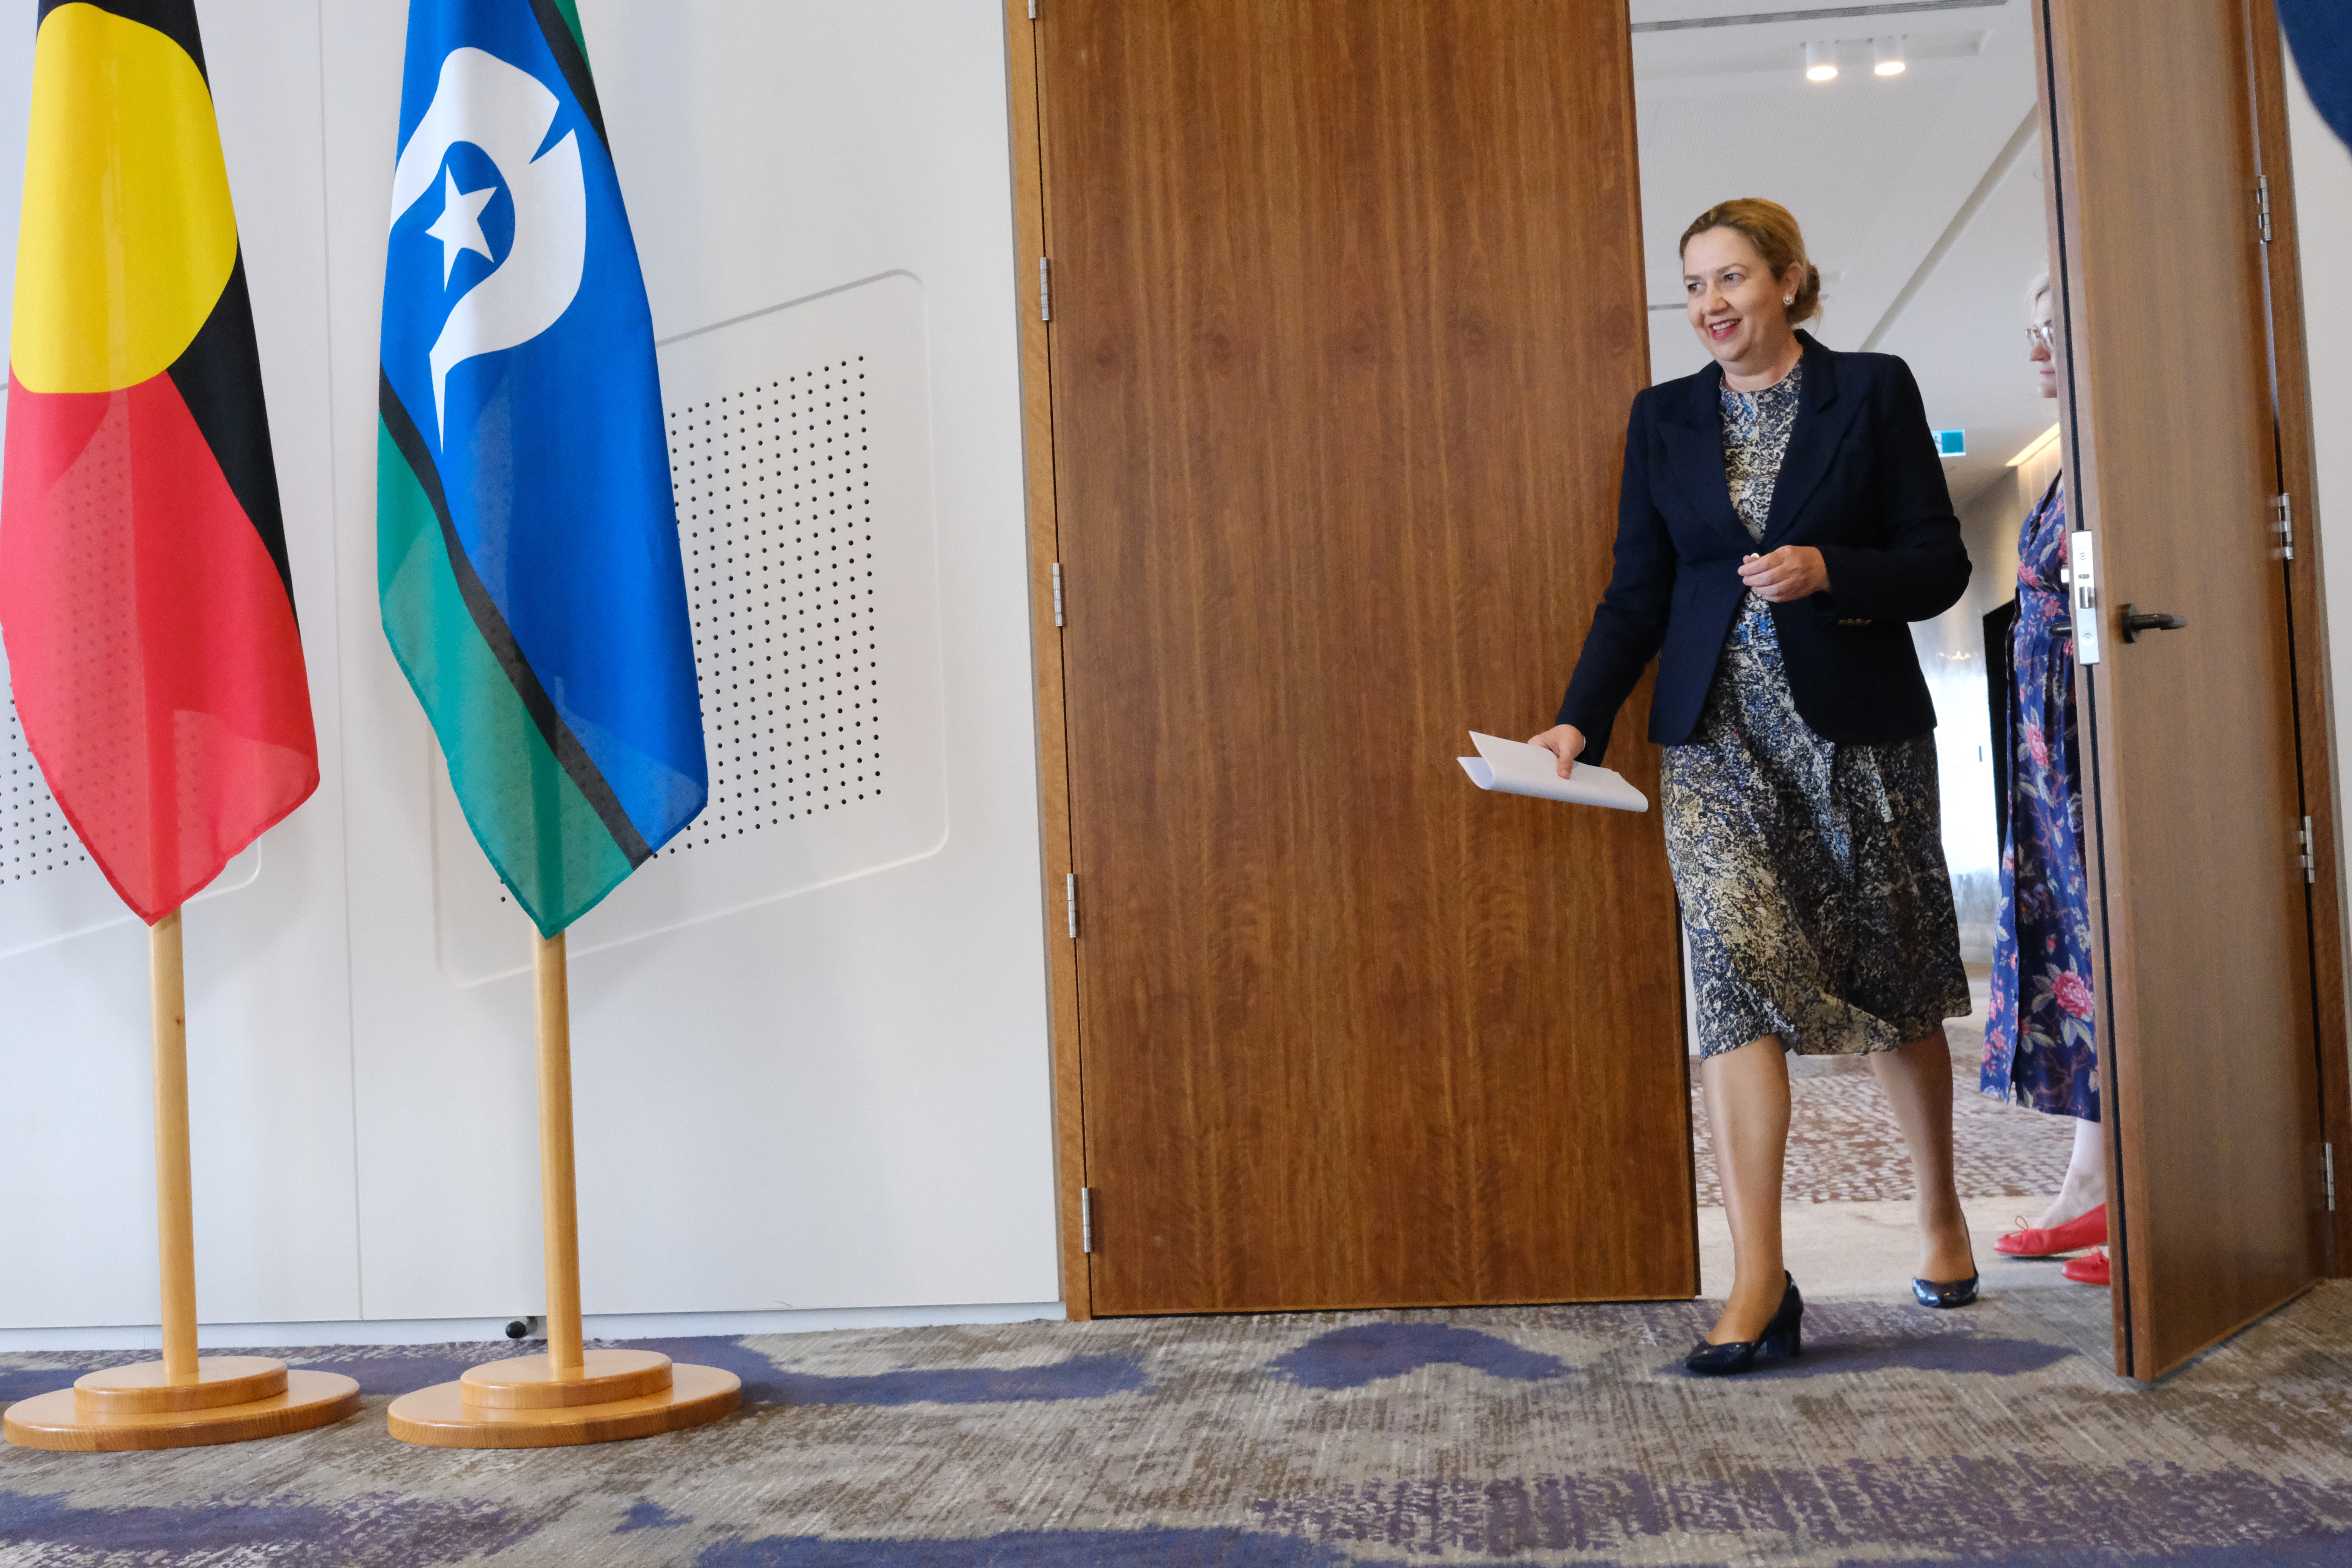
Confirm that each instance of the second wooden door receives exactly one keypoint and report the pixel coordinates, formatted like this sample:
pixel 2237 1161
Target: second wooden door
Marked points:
pixel 2195 829
pixel 1347 313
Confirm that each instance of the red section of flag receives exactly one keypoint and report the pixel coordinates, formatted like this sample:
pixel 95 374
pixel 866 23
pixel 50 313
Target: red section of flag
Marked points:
pixel 151 642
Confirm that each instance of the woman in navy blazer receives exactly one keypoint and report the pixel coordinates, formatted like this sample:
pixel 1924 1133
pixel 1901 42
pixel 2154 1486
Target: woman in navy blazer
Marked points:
pixel 1862 487
pixel 1783 519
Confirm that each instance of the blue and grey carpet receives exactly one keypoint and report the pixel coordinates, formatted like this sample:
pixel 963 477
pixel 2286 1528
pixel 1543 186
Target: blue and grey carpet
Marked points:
pixel 1536 1434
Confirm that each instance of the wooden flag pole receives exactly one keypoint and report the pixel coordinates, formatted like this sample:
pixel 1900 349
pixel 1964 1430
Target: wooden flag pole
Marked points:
pixel 175 1218
pixel 184 1401
pixel 571 1395
pixel 558 1196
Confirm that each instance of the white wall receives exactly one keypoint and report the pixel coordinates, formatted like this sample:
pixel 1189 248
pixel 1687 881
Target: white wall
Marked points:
pixel 810 1099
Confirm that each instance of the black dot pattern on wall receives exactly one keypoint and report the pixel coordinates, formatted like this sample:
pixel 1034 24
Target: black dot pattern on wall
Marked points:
pixel 34 836
pixel 775 504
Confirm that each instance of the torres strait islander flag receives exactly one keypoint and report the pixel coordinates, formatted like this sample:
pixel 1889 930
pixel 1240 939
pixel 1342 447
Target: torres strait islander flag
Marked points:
pixel 144 596
pixel 527 551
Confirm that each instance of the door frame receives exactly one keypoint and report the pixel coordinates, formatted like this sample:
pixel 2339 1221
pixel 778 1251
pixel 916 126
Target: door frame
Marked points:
pixel 2115 1025
pixel 2307 609
pixel 2305 592
pixel 1028 152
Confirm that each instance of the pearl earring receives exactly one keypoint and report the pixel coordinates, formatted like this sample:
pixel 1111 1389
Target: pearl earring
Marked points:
pixel 1788 298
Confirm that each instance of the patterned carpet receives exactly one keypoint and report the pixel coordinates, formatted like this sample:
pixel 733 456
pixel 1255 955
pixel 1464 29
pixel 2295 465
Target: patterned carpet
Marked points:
pixel 1541 1436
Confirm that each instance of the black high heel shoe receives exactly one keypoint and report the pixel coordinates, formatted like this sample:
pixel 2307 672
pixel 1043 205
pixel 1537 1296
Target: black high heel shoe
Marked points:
pixel 1944 1292
pixel 1784 1335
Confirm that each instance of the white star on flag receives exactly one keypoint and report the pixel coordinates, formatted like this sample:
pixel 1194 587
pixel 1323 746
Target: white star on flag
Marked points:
pixel 460 226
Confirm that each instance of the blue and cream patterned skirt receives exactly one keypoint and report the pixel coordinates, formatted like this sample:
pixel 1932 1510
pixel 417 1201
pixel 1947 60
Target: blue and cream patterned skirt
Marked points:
pixel 1812 875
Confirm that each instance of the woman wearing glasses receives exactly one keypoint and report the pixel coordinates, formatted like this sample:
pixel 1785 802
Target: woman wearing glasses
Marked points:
pixel 2039 1049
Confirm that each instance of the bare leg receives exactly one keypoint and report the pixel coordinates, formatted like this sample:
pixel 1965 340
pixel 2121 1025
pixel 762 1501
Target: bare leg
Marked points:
pixel 2085 1187
pixel 1747 1094
pixel 1917 1081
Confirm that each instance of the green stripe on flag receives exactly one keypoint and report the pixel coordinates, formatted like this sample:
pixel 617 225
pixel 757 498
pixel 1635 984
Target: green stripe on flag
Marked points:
pixel 559 24
pixel 546 841
pixel 569 11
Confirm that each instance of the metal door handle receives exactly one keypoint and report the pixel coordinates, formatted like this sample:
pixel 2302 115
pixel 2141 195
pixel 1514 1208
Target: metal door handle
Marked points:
pixel 2138 621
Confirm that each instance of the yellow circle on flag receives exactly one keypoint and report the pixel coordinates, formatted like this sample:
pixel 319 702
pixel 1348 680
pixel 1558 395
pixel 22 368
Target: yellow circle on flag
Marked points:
pixel 127 236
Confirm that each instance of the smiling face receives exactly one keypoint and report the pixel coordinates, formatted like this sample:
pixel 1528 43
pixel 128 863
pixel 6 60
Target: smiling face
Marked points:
pixel 1734 301
pixel 2045 362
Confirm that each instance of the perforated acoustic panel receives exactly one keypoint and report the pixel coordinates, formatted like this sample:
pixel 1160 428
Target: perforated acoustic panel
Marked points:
pixel 50 887
pixel 34 836
pixel 800 455
pixel 776 507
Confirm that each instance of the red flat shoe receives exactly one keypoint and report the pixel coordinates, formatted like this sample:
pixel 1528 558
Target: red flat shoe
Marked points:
pixel 2084 1230
pixel 2091 1270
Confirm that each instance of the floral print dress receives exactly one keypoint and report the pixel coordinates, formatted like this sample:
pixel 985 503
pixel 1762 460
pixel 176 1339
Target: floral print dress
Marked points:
pixel 1812 875
pixel 2038 1042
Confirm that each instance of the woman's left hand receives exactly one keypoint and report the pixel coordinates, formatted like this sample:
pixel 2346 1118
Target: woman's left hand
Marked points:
pixel 1790 573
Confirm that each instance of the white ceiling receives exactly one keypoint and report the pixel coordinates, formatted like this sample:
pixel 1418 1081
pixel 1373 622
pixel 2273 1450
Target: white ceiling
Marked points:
pixel 1920 193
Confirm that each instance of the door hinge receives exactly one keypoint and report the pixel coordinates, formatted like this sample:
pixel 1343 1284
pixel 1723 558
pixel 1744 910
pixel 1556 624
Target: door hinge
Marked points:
pixel 1070 890
pixel 2283 524
pixel 2310 861
pixel 2326 1173
pixel 2263 206
pixel 1044 290
pixel 1087 1218
pixel 1057 592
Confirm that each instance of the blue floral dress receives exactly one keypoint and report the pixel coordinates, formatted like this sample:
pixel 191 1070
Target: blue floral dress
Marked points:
pixel 2038 1042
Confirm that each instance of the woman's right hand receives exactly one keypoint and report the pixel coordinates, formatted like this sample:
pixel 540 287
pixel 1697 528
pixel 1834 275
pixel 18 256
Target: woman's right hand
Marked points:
pixel 1565 741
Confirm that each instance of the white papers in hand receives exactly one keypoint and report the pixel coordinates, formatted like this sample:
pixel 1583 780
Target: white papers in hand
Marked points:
pixel 1514 767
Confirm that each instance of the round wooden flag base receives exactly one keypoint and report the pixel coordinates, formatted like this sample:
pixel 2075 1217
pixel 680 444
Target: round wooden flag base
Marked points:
pixel 232 1399
pixel 525 1403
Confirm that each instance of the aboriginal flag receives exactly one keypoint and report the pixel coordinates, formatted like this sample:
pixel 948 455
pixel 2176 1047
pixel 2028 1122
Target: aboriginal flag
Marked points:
pixel 144 596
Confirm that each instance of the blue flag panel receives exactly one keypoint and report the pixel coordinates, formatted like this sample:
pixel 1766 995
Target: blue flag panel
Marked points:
pixel 525 491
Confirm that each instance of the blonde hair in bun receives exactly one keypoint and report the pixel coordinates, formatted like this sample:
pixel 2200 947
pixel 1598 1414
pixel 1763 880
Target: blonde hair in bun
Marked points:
pixel 1772 229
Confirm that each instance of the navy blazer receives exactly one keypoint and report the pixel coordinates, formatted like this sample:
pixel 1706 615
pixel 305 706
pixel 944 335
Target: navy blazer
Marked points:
pixel 1862 483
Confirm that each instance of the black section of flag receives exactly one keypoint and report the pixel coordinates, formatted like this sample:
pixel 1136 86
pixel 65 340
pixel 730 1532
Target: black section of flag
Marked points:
pixel 219 378
pixel 175 19
pixel 570 754
pixel 565 45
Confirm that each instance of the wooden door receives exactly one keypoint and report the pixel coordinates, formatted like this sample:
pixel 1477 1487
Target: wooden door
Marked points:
pixel 1347 313
pixel 2208 1030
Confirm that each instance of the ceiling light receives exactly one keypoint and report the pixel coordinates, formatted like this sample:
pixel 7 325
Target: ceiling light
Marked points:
pixel 2041 444
pixel 1820 61
pixel 1886 56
